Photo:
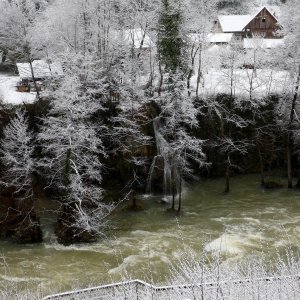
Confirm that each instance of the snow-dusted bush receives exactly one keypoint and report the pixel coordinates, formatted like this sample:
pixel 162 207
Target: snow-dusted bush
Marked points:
pixel 211 276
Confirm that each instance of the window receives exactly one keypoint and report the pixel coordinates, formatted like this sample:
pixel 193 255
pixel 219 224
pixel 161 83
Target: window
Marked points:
pixel 263 20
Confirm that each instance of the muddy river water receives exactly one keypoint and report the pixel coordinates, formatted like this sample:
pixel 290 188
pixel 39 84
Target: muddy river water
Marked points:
pixel 143 244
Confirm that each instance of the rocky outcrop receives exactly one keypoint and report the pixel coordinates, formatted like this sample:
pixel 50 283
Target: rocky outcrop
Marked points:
pixel 68 232
pixel 18 220
pixel 272 185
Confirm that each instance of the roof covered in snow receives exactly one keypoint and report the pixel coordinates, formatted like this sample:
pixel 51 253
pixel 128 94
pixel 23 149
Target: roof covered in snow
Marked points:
pixel 263 43
pixel 234 23
pixel 41 69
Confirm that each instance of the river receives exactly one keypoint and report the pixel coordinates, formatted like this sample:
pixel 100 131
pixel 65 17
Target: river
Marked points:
pixel 143 244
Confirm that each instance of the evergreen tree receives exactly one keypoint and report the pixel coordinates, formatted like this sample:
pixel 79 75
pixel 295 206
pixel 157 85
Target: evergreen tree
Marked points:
pixel 170 41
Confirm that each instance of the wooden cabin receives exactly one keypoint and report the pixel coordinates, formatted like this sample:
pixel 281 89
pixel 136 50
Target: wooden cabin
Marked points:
pixel 264 24
pixel 42 70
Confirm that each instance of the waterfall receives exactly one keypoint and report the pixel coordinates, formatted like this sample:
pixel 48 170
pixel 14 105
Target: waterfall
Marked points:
pixel 163 152
pixel 149 179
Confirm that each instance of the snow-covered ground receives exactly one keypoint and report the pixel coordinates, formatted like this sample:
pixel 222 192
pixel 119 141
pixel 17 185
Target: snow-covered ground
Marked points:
pixel 9 93
pixel 261 82
pixel 264 82
pixel 215 81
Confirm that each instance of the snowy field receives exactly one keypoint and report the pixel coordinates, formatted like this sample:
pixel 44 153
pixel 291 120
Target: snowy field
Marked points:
pixel 262 82
pixel 9 93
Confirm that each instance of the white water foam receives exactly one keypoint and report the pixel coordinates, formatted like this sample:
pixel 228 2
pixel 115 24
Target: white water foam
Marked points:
pixel 229 243
pixel 20 279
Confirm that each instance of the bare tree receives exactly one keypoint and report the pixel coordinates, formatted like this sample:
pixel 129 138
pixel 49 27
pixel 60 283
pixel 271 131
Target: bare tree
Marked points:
pixel 199 18
pixel 231 61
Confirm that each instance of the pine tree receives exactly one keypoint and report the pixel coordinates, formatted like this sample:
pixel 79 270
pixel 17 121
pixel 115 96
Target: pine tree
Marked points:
pixel 170 41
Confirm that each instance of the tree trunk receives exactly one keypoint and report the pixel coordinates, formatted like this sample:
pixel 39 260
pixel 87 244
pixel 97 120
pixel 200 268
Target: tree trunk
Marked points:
pixel 199 75
pixel 173 188
pixel 34 80
pixel 231 82
pixel 67 170
pixel 161 78
pixel 142 43
pixel 173 196
pixel 188 85
pixel 4 53
pixel 298 183
pixel 289 162
pixel 262 171
pixel 190 74
pixel 227 178
pixel 289 145
pixel 179 192
pixel 134 202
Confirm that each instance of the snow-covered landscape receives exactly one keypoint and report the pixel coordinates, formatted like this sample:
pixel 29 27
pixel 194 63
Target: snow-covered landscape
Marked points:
pixel 9 93
pixel 152 143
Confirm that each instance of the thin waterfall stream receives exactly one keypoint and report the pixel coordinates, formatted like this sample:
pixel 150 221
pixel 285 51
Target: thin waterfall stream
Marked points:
pixel 163 154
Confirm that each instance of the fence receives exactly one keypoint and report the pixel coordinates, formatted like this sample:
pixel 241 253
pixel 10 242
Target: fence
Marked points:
pixel 285 287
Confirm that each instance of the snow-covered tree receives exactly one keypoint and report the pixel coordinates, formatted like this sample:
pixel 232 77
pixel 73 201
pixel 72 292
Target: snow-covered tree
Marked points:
pixel 231 61
pixel 17 32
pixel 199 19
pixel 253 60
pixel 81 27
pixel 171 44
pixel 16 157
pixel 20 221
pixel 222 119
pixel 176 114
pixel 72 149
pixel 290 56
pixel 267 133
pixel 175 144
